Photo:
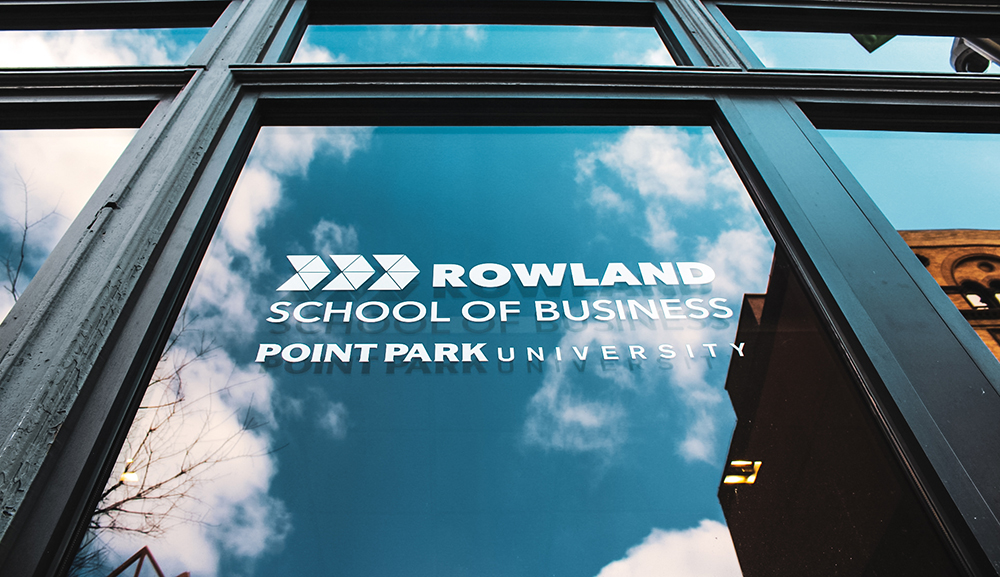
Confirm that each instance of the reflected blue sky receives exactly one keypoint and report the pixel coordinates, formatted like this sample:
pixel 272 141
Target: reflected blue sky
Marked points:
pixel 556 466
pixel 36 48
pixel 492 468
pixel 830 51
pixel 484 44
pixel 559 467
pixel 926 180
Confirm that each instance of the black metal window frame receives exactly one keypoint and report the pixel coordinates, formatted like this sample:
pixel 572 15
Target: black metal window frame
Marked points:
pixel 79 346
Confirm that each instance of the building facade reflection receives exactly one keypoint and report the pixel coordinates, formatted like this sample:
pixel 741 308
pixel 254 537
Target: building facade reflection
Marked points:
pixel 966 263
pixel 828 497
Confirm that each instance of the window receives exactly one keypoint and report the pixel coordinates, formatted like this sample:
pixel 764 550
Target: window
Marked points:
pixel 852 328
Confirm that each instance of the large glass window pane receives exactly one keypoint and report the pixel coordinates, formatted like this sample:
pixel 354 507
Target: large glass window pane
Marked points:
pixel 942 191
pixel 46 48
pixel 501 351
pixel 483 44
pixel 46 176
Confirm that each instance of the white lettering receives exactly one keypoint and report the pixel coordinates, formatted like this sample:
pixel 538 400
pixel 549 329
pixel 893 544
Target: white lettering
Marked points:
pixel 398 315
pixel 530 278
pixel 469 351
pixel 501 275
pixel 546 311
pixel 384 308
pixel 704 275
pixel 650 274
pixel 580 276
pixel 490 311
pixel 297 313
pixel 447 275
pixel 275 308
pixel 267 350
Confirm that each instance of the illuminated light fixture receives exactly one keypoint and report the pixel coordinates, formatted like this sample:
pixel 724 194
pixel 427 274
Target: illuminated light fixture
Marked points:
pixel 129 476
pixel 741 473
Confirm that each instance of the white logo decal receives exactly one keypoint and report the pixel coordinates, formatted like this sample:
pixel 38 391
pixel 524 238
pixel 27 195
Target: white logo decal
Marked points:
pixel 355 271
pixel 399 271
pixel 309 271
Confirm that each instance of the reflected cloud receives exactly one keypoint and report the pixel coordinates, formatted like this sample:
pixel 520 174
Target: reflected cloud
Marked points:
pixel 231 404
pixel 307 52
pixel 201 448
pixel 332 238
pixel 91 48
pixel 695 209
pixel 32 193
pixel 703 551
pixel 334 420
pixel 44 200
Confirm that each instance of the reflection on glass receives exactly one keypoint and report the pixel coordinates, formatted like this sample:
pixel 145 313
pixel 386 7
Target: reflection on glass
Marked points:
pixel 46 48
pixel 832 499
pixel 841 51
pixel 46 176
pixel 484 350
pixel 598 45
pixel 925 180
pixel 741 472
pixel 942 191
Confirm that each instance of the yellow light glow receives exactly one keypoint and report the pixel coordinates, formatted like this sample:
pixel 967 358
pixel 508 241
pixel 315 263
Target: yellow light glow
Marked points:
pixel 747 472
pixel 129 476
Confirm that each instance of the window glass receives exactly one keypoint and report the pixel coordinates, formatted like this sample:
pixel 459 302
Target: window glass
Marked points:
pixel 836 51
pixel 501 351
pixel 37 202
pixel 483 44
pixel 45 48
pixel 942 191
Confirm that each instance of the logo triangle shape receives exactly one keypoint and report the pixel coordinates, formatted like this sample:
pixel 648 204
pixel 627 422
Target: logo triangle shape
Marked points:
pixel 384 283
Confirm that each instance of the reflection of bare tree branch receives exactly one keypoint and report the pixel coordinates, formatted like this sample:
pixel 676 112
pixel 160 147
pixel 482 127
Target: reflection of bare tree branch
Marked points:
pixel 162 466
pixel 14 263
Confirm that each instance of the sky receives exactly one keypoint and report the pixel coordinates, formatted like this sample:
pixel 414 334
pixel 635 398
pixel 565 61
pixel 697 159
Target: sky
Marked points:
pixel 840 51
pixel 603 467
pixel 491 468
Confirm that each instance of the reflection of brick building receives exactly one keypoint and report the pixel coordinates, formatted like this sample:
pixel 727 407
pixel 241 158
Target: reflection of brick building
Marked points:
pixel 966 263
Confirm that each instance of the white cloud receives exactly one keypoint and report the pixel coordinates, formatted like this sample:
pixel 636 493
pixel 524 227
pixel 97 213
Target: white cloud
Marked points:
pixel 474 33
pixel 656 57
pixel 741 259
pixel 603 197
pixel 703 551
pixel 89 48
pixel 661 236
pixel 332 238
pixel 288 150
pixel 46 177
pixel 334 420
pixel 655 161
pixel 233 510
pixel 695 208
pixel 217 463
pixel 61 168
pixel 559 418
pixel 307 52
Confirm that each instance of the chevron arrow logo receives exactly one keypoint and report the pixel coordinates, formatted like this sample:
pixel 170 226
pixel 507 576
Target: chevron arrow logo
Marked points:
pixel 399 271
pixel 309 272
pixel 355 270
